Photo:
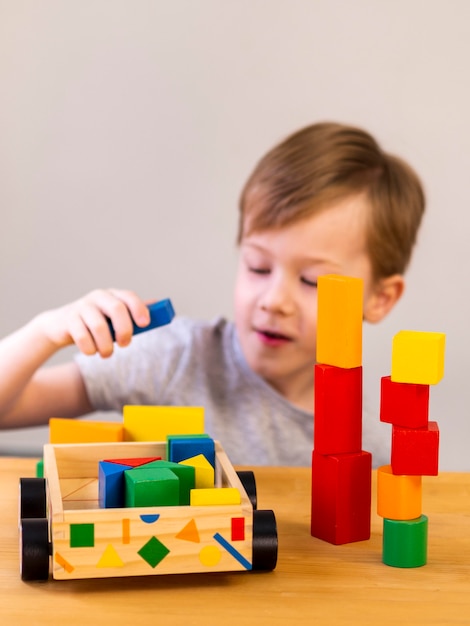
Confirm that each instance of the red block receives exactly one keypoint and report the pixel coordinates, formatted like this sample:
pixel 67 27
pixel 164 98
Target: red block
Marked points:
pixel 415 451
pixel 404 404
pixel 134 462
pixel 341 497
pixel 338 410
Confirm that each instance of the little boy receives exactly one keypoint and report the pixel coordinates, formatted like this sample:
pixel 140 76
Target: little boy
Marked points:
pixel 325 200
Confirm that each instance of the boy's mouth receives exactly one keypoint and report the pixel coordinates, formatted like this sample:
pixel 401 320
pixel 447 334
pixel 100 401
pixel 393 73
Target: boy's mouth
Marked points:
pixel 272 338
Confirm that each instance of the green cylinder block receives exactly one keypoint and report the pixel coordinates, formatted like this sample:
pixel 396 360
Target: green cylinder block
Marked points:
pixel 405 542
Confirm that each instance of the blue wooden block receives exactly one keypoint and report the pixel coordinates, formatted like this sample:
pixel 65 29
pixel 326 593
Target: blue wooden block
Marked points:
pixel 111 484
pixel 180 448
pixel 161 313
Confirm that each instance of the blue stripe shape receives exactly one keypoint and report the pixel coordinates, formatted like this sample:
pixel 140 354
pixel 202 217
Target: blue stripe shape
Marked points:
pixel 236 555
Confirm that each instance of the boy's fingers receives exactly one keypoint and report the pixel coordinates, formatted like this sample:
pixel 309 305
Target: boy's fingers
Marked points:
pixel 102 307
pixel 98 329
pixel 81 336
pixel 135 305
pixel 105 316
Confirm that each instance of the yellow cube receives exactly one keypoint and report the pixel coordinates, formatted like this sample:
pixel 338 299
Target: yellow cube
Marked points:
pixel 398 497
pixel 418 357
pixel 339 323
pixel 154 423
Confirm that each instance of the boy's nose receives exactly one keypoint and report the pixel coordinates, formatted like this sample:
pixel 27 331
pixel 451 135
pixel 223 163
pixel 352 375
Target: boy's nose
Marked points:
pixel 277 298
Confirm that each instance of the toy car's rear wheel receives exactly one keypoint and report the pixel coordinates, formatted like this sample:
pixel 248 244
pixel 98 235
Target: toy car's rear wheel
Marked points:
pixel 265 541
pixel 247 479
pixel 34 549
pixel 33 501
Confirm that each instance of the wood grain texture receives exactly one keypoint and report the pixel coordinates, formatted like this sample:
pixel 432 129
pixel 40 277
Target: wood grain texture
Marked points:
pixel 314 582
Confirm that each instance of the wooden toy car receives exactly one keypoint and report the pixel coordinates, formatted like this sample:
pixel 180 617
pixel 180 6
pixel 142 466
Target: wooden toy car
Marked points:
pixel 61 522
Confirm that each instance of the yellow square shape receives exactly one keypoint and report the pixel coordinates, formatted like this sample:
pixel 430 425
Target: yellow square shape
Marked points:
pixel 339 321
pixel 418 357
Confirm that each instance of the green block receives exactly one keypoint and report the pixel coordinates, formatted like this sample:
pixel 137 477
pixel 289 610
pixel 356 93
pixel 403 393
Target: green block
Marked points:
pixel 82 535
pixel 40 468
pixel 185 473
pixel 153 552
pixel 151 487
pixel 405 542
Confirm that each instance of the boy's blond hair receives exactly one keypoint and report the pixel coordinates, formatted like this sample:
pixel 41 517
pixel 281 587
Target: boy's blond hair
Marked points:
pixel 327 162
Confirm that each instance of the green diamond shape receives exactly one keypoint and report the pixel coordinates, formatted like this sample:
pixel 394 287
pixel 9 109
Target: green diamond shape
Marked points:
pixel 153 552
pixel 82 535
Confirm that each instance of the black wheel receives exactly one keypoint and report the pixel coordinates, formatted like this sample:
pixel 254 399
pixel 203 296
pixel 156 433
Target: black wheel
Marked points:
pixel 33 501
pixel 34 549
pixel 264 540
pixel 248 481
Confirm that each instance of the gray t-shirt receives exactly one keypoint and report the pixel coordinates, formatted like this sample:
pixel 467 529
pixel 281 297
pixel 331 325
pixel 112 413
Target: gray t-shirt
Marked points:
pixel 190 363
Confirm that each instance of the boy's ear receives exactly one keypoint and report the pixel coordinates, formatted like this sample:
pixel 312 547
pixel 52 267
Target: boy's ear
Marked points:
pixel 385 294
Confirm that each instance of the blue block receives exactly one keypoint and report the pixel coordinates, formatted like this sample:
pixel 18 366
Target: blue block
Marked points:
pixel 111 484
pixel 182 448
pixel 161 313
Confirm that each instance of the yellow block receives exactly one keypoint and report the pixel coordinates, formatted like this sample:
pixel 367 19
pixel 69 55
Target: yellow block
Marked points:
pixel 339 324
pixel 63 430
pixel 204 472
pixel 208 497
pixel 418 357
pixel 154 423
pixel 398 497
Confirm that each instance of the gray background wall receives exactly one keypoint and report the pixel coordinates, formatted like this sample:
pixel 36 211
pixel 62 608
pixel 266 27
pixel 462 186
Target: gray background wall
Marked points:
pixel 128 128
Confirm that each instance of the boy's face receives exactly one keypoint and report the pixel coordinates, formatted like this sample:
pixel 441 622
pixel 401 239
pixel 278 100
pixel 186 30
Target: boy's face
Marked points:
pixel 276 294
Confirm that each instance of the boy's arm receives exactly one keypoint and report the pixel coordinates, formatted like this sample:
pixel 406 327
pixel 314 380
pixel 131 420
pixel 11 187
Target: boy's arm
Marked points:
pixel 57 391
pixel 30 394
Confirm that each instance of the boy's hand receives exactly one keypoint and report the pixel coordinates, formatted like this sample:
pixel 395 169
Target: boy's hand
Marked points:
pixel 85 322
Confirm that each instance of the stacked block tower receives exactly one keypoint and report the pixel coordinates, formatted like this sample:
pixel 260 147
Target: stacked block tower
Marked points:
pixel 341 470
pixel 417 363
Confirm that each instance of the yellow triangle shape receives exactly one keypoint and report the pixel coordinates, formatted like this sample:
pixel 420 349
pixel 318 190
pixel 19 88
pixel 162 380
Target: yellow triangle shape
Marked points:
pixel 110 558
pixel 189 532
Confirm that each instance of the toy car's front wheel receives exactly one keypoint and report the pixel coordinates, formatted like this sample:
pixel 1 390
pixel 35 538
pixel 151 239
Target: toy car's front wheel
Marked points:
pixel 265 541
pixel 33 501
pixel 34 549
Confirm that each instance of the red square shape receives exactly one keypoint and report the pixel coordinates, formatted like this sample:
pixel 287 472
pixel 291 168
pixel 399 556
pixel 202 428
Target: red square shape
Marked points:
pixel 404 404
pixel 415 451
pixel 338 410
pixel 341 497
pixel 238 529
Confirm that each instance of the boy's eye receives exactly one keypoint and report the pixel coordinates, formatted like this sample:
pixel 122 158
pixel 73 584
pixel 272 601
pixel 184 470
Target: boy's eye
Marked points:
pixel 259 270
pixel 309 283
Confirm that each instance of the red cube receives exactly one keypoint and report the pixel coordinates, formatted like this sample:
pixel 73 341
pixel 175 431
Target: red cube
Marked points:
pixel 415 451
pixel 404 404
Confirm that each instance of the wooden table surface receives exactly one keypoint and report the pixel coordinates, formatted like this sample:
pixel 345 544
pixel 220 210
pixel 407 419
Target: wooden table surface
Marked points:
pixel 314 582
